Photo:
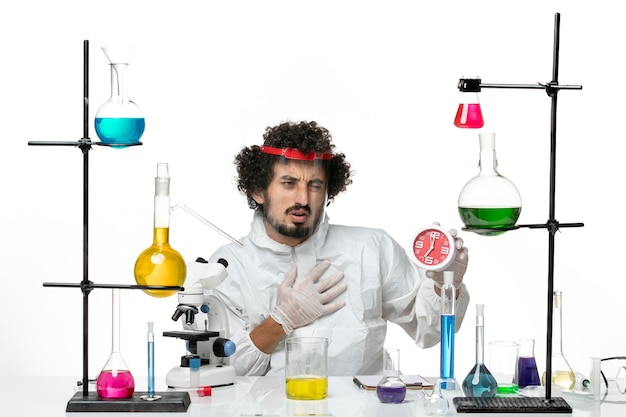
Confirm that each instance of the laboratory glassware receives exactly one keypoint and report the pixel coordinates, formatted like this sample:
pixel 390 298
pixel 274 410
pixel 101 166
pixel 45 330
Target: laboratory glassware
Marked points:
pixel 151 396
pixel 469 114
pixel 489 201
pixel 391 388
pixel 563 377
pixel 435 404
pixel 160 264
pixel 115 380
pixel 527 373
pixel 448 299
pixel 503 365
pixel 119 120
pixel 479 382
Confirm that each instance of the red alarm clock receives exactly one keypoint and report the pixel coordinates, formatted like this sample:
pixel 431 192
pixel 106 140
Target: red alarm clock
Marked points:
pixel 432 248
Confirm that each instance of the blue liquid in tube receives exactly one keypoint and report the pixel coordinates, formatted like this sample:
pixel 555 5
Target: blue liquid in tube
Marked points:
pixel 151 368
pixel 120 130
pixel 447 347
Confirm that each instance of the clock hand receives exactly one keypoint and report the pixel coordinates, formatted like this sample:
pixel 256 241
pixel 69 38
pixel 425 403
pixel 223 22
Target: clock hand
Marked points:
pixel 432 244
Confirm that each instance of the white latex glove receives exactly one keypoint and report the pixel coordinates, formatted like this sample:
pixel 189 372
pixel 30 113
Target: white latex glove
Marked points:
pixel 458 266
pixel 310 299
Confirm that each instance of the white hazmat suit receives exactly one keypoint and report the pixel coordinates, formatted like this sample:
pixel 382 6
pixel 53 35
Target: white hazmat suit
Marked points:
pixel 383 285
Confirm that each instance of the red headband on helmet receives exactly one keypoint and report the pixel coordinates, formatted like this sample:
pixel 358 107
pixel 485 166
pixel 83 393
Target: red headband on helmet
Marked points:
pixel 293 153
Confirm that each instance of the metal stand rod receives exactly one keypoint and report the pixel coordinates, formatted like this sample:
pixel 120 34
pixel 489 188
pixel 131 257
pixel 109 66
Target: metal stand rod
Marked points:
pixel 552 225
pixel 86 286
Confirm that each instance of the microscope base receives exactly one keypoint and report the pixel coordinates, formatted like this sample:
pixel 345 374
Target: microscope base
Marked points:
pixel 210 375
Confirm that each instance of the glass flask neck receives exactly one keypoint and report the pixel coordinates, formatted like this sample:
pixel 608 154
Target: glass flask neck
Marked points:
pixel 119 83
pixel 161 204
pixel 527 348
pixel 161 236
pixel 557 332
pixel 480 343
pixel 487 159
pixel 115 314
pixel 392 363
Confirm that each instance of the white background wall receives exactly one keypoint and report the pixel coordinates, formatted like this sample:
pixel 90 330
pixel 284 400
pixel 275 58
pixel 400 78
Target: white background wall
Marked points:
pixel 210 76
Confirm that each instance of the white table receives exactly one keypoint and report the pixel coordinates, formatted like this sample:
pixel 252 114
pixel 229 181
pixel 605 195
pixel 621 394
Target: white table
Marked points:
pixel 259 397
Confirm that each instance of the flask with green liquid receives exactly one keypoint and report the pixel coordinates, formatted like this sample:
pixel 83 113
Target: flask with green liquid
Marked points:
pixel 489 203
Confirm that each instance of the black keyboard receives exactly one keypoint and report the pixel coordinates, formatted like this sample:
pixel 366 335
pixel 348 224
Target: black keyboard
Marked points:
pixel 511 405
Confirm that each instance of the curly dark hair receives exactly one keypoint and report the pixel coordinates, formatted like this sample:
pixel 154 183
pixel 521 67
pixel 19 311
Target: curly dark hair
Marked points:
pixel 255 169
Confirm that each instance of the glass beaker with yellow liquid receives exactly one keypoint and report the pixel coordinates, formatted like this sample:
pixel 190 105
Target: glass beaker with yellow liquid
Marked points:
pixel 160 264
pixel 306 368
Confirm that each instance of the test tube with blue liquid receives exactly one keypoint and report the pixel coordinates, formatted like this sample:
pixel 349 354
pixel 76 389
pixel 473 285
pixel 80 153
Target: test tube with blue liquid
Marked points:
pixel 150 396
pixel 448 299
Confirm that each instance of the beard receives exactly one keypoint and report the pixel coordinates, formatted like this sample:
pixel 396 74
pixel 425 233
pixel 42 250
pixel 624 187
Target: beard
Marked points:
pixel 298 230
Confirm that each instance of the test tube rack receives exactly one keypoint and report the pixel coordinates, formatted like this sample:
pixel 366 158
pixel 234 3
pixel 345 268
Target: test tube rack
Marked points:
pixel 552 89
pixel 87 401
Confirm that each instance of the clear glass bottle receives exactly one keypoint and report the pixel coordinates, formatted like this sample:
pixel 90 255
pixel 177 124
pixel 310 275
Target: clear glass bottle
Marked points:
pixel 119 120
pixel 115 380
pixel 435 404
pixel 391 388
pixel 469 114
pixel 479 382
pixel 526 372
pixel 489 201
pixel 161 264
pixel 563 377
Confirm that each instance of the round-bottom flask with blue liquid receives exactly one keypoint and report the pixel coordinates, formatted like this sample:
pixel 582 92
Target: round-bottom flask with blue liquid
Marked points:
pixel 119 121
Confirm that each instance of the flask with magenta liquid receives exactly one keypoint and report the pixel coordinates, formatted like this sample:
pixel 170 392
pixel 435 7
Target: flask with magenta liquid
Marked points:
pixel 391 388
pixel 119 121
pixel 115 380
pixel 469 114
pixel 489 203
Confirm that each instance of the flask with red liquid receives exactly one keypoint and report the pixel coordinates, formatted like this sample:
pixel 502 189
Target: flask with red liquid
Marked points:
pixel 115 379
pixel 469 114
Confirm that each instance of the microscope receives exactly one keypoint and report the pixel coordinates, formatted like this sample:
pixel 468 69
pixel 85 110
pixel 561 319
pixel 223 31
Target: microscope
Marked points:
pixel 205 329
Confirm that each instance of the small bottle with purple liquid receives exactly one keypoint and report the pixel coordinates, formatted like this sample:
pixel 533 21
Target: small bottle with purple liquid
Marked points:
pixel 391 388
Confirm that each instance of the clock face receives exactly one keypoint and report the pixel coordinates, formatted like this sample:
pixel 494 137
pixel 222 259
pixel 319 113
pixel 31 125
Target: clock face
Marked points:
pixel 433 248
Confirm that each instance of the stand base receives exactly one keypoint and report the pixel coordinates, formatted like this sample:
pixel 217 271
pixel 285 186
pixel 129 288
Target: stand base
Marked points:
pixel 170 402
pixel 511 405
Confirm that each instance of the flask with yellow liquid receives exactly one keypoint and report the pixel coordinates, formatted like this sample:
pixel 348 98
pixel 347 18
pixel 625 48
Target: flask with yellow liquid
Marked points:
pixel 563 377
pixel 160 264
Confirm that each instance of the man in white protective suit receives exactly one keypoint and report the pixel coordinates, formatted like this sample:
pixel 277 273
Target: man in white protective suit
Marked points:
pixel 299 275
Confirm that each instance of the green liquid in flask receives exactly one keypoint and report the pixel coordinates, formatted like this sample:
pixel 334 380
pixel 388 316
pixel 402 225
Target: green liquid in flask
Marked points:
pixel 489 218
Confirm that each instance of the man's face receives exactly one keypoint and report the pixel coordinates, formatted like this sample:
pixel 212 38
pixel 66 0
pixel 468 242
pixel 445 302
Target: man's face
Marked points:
pixel 293 203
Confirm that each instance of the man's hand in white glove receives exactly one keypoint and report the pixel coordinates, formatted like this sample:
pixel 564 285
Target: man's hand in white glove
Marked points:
pixel 458 266
pixel 310 299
